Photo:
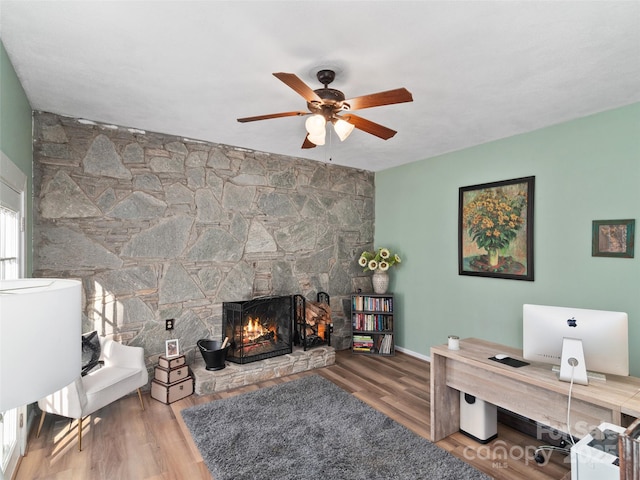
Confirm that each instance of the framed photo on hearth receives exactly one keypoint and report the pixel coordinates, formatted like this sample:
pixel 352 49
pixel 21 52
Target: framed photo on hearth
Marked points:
pixel 613 238
pixel 495 229
pixel 171 348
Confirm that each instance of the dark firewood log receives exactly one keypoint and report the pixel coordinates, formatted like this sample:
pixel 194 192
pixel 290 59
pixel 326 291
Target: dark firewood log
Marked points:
pixel 316 312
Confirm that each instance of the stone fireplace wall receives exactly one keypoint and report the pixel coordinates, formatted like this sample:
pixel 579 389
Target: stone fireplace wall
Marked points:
pixel 160 227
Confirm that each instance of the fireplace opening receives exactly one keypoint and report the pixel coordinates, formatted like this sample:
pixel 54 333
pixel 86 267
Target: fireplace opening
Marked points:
pixel 258 329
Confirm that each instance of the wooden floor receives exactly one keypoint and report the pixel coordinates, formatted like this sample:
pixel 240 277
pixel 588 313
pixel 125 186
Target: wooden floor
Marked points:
pixel 122 442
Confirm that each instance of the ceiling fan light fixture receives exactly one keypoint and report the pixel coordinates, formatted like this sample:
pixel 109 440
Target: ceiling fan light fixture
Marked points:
pixel 317 139
pixel 343 128
pixel 325 104
pixel 315 125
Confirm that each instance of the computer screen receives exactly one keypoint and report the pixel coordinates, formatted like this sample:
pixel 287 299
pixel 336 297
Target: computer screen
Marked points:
pixel 604 336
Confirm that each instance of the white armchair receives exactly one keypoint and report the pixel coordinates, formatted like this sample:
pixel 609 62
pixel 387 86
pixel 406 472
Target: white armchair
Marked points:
pixel 124 371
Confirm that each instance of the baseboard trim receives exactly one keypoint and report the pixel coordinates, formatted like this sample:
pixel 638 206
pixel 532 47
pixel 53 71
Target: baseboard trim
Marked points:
pixel 406 351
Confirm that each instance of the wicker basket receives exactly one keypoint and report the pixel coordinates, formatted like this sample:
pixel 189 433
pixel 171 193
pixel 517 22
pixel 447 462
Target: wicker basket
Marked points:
pixel 629 445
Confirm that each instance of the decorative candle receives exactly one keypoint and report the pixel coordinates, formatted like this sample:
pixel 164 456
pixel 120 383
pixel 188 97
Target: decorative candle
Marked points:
pixel 454 342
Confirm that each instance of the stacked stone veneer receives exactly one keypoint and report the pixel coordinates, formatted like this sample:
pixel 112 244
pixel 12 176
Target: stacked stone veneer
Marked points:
pixel 159 227
pixel 235 375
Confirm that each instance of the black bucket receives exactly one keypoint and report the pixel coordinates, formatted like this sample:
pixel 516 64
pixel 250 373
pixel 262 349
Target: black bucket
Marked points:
pixel 214 356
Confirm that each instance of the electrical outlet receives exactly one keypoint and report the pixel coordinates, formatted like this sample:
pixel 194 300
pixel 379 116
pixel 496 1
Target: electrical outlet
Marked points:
pixel 168 324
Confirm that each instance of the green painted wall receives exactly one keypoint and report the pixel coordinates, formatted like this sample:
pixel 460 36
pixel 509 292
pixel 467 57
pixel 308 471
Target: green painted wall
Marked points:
pixel 587 169
pixel 16 133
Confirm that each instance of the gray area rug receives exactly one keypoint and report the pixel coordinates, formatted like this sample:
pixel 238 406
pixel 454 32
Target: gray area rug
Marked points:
pixel 310 429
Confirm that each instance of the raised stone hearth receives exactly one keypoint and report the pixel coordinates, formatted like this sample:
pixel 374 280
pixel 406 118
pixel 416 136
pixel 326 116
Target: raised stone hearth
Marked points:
pixel 238 375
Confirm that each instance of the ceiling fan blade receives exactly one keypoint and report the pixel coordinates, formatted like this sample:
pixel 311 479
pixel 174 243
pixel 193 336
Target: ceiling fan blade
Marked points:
pixel 299 86
pixel 399 95
pixel 272 115
pixel 308 143
pixel 369 126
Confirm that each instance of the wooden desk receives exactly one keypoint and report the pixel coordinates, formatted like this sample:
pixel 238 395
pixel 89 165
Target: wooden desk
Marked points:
pixel 632 407
pixel 532 391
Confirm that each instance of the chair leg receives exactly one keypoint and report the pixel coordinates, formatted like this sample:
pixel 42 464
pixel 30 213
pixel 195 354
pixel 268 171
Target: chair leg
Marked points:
pixel 41 422
pixel 79 429
pixel 80 434
pixel 140 397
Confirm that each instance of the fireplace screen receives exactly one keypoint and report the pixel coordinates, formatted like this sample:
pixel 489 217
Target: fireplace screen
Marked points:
pixel 259 328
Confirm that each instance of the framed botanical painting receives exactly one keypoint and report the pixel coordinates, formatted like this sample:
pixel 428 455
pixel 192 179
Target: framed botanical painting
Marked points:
pixel 495 229
pixel 613 238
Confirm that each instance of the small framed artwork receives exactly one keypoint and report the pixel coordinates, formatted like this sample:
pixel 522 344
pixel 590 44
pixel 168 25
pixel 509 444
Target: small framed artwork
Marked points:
pixel 613 238
pixel 495 229
pixel 172 349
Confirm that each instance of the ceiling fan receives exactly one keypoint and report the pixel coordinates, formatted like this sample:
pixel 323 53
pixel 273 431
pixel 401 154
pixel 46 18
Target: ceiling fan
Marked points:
pixel 328 105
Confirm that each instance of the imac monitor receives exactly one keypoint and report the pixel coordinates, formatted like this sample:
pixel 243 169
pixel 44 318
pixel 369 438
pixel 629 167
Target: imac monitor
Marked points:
pixel 602 336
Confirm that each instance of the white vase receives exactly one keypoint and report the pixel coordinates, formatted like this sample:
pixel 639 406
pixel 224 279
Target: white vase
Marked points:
pixel 380 281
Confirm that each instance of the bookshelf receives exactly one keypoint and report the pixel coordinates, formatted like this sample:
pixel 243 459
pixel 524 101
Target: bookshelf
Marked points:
pixel 372 324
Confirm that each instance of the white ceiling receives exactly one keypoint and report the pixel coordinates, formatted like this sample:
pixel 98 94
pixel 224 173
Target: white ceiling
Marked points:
pixel 478 70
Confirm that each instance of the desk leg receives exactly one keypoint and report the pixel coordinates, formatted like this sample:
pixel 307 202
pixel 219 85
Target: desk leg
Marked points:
pixel 445 401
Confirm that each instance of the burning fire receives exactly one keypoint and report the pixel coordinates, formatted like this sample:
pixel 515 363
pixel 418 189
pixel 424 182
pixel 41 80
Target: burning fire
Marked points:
pixel 254 330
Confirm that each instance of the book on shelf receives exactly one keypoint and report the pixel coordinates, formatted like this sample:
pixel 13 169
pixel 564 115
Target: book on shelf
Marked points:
pixel 362 349
pixel 386 345
pixel 363 339
pixel 362 343
pixel 367 303
pixel 372 322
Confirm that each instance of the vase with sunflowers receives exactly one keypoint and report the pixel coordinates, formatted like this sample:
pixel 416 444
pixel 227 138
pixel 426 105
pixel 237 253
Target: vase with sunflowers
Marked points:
pixel 493 220
pixel 379 262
